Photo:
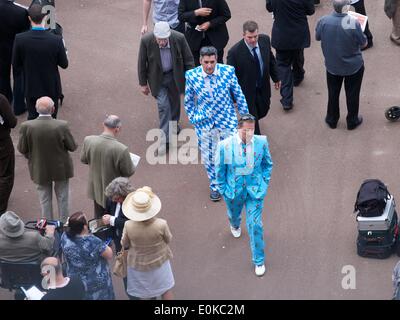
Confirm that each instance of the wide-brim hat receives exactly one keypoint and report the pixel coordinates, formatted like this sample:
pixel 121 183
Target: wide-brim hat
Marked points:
pixel 141 205
pixel 11 225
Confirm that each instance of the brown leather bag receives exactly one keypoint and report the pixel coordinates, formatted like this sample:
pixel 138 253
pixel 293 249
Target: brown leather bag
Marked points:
pixel 120 265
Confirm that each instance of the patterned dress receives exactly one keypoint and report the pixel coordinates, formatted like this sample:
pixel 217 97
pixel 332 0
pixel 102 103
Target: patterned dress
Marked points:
pixel 83 257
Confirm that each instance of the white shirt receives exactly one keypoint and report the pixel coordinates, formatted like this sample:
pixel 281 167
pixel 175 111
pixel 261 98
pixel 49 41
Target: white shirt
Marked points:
pixel 207 79
pixel 116 214
pixel 353 1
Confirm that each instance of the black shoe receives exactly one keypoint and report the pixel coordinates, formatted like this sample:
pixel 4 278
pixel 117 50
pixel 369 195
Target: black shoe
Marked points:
pixel 296 83
pixel 331 125
pixel 369 45
pixel 355 125
pixel 215 196
pixel 288 107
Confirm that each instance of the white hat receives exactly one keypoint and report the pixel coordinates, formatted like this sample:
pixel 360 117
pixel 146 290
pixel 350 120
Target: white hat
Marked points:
pixel 162 30
pixel 141 205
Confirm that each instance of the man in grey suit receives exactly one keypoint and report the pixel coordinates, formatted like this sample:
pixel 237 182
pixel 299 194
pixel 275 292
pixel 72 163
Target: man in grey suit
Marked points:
pixel 164 57
pixel 107 159
pixel 46 143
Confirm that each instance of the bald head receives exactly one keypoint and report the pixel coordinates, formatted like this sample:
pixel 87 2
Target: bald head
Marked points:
pixel 338 5
pixel 112 122
pixel 45 106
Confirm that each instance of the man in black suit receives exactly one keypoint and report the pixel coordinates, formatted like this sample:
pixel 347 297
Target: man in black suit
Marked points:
pixel 290 35
pixel 206 25
pixel 39 53
pixel 14 19
pixel 254 64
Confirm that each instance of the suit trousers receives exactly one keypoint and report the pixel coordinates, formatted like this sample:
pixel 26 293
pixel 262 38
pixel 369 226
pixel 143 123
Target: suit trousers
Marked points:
pixel 207 43
pixel 360 8
pixel 61 189
pixel 169 104
pixel 254 224
pixel 31 105
pixel 290 64
pixel 352 85
pixel 19 104
pixel 7 166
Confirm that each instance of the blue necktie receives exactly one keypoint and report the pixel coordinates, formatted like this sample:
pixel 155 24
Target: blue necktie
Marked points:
pixel 259 76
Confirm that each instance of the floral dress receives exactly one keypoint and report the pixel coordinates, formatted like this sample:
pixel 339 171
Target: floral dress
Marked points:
pixel 83 257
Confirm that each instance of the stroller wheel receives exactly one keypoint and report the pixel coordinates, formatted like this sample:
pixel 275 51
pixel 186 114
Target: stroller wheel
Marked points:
pixel 393 113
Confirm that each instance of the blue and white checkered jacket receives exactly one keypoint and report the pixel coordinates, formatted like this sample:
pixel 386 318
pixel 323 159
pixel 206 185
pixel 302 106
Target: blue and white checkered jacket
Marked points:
pixel 206 110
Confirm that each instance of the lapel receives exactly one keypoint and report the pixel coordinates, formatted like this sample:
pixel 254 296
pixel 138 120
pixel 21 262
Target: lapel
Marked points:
pixel 156 50
pixel 246 51
pixel 264 54
pixel 202 85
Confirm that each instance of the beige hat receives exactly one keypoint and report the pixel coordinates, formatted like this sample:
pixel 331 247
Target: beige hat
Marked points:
pixel 141 205
pixel 162 30
pixel 11 225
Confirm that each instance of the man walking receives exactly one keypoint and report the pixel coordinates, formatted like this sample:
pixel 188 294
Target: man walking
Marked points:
pixel 254 65
pixel 290 35
pixel 243 170
pixel 209 106
pixel 205 25
pixel 344 62
pixel 164 56
pixel 39 53
pixel 107 159
pixel 7 154
pixel 46 143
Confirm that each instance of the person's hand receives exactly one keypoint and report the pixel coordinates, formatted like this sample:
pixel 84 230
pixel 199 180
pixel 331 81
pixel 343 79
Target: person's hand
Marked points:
pixel 49 230
pixel 277 85
pixel 106 219
pixel 203 12
pixel 143 30
pixel 145 90
pixel 204 26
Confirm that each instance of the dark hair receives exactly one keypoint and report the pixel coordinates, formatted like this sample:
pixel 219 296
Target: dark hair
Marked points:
pixel 36 14
pixel 208 51
pixel 76 222
pixel 250 26
pixel 246 118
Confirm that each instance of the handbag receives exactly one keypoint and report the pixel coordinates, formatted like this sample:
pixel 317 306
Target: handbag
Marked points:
pixel 120 265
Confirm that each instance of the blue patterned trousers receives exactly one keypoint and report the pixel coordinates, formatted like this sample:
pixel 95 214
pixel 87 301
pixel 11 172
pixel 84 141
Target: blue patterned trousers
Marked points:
pixel 254 224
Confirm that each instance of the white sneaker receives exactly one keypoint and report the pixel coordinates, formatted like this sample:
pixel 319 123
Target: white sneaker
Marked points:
pixel 236 232
pixel 260 270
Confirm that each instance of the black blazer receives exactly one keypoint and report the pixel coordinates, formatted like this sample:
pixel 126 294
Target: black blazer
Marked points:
pixel 217 33
pixel 290 30
pixel 39 53
pixel 240 57
pixel 118 224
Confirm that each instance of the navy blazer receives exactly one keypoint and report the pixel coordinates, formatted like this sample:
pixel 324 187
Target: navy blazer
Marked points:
pixel 290 30
pixel 118 224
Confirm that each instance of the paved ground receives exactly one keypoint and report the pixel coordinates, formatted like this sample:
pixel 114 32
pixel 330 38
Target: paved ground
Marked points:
pixel 309 225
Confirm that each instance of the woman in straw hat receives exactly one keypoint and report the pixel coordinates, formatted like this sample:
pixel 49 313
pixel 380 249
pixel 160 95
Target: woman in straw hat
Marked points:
pixel 146 238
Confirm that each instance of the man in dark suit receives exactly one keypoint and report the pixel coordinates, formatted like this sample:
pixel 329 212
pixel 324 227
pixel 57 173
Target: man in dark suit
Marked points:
pixel 164 57
pixel 254 64
pixel 14 19
pixel 206 25
pixel 290 35
pixel 39 53
pixel 46 143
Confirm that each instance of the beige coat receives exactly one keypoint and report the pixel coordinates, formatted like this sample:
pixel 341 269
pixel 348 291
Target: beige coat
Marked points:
pixel 107 159
pixel 147 242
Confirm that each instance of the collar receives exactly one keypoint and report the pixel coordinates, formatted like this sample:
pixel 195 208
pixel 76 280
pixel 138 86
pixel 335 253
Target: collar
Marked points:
pixel 108 136
pixel 38 28
pixel 250 48
pixel 44 116
pixel 339 14
pixel 240 142
pixel 215 73
pixel 168 46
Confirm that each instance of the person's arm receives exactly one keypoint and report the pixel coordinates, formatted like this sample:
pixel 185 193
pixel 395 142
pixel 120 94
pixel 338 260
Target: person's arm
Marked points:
pixel 10 121
pixel 310 7
pixel 22 146
pixel 273 70
pixel 143 68
pixel 220 167
pixel 269 6
pixel 69 141
pixel 266 163
pixel 84 158
pixel 167 235
pixel 107 253
pixel 223 17
pixel 16 55
pixel 126 167
pixel 187 16
pixel 231 59
pixel 238 95
pixel 146 11
pixel 361 39
pixel 46 242
pixel 125 243
pixel 318 30
pixel 62 55
pixel 188 59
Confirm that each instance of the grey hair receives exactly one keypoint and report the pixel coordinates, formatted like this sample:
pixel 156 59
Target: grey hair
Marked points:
pixel 338 5
pixel 112 122
pixel 44 105
pixel 119 187
pixel 208 51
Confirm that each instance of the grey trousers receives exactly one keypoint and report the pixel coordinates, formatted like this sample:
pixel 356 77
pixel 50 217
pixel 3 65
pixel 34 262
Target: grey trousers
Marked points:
pixel 169 104
pixel 45 191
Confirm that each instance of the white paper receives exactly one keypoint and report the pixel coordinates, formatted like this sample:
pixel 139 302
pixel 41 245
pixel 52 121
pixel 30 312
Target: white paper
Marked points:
pixel 1 120
pixel 33 293
pixel 361 19
pixel 135 159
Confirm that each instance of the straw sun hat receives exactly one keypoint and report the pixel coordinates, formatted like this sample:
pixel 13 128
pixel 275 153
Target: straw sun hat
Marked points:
pixel 141 205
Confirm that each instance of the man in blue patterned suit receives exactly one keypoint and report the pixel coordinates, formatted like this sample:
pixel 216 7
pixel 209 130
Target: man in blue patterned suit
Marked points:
pixel 243 168
pixel 209 93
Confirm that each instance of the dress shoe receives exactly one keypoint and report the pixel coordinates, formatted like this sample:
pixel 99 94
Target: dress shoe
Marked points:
pixel 296 83
pixel 236 232
pixel 215 196
pixel 369 45
pixel 331 125
pixel 260 270
pixel 355 125
pixel 288 107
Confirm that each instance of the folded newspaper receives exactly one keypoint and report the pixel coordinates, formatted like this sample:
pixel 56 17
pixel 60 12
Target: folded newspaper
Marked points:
pixel 135 159
pixel 361 19
pixel 33 293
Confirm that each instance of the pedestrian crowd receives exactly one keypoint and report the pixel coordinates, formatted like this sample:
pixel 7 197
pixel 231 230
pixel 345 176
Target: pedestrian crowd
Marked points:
pixel 183 55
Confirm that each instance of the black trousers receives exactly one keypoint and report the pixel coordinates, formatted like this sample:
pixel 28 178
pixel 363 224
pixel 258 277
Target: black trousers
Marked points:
pixel 31 105
pixel 7 166
pixel 360 8
pixel 206 43
pixel 290 64
pixel 259 105
pixel 352 85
